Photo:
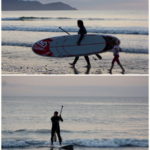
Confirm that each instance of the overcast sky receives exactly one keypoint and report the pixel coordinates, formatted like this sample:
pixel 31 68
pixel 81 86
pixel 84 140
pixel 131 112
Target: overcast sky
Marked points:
pixel 104 4
pixel 74 86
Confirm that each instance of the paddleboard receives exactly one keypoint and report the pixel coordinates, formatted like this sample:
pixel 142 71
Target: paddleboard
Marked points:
pixel 62 147
pixel 66 46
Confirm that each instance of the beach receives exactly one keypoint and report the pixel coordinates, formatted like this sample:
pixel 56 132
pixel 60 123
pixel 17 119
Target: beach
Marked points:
pixel 21 29
pixel 24 61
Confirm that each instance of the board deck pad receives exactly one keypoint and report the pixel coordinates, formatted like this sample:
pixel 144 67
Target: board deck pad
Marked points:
pixel 66 46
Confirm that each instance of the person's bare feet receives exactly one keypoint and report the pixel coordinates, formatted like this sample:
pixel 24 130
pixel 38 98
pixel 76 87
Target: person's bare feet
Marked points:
pixel 72 64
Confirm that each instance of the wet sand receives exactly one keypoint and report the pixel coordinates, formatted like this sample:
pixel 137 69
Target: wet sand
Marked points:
pixel 21 60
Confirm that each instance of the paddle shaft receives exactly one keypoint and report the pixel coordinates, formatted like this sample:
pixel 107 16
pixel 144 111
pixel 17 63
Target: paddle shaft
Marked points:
pixel 61 109
pixel 64 30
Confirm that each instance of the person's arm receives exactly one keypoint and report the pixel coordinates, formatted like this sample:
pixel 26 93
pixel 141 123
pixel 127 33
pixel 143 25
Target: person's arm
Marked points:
pixel 51 119
pixel 80 39
pixel 120 49
pixel 61 119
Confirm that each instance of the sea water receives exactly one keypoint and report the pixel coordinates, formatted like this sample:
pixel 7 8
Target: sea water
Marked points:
pixel 89 122
pixel 21 29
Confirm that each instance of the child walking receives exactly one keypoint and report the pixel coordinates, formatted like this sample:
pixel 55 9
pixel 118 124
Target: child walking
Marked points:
pixel 116 50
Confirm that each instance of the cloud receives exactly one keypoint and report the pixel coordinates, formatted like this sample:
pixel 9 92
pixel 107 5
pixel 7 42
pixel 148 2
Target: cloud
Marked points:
pixel 75 86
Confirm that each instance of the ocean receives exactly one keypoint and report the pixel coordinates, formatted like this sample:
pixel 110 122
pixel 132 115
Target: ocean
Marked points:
pixel 90 123
pixel 21 29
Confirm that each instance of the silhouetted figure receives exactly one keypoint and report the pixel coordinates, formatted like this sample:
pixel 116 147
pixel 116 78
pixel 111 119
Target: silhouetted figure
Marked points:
pixel 116 50
pixel 82 31
pixel 55 127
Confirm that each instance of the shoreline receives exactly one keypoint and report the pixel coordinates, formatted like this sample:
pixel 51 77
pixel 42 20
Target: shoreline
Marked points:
pixel 24 61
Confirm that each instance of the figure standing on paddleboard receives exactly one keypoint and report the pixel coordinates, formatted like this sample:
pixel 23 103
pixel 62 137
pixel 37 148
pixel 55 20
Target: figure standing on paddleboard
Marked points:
pixel 116 51
pixel 55 127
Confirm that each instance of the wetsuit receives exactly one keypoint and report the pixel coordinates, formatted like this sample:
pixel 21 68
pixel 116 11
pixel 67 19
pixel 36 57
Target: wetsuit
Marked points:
pixel 56 128
pixel 82 31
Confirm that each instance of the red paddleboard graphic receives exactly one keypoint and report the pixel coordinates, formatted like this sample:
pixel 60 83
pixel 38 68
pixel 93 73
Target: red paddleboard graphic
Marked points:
pixel 43 47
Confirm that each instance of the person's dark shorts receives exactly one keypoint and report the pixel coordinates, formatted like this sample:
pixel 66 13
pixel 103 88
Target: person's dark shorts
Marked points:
pixel 116 58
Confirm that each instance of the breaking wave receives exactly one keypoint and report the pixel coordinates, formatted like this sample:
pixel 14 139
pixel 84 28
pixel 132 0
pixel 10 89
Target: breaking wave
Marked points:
pixel 117 30
pixel 99 143
pixel 24 131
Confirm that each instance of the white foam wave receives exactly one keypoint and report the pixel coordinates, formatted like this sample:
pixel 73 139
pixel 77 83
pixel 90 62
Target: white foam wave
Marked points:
pixel 23 143
pixel 111 142
pixel 104 30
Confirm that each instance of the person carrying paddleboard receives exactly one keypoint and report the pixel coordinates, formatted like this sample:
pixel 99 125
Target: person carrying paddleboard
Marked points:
pixel 55 127
pixel 82 31
pixel 116 51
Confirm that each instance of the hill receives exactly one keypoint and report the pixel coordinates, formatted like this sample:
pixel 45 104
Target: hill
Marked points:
pixel 33 5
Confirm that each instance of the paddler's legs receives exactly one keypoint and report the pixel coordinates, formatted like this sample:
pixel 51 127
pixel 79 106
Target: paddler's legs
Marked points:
pixel 99 56
pixel 59 137
pixel 75 61
pixel 52 136
pixel 88 61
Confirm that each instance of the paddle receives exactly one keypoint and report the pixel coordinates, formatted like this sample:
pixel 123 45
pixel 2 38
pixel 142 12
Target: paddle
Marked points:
pixel 61 110
pixel 64 30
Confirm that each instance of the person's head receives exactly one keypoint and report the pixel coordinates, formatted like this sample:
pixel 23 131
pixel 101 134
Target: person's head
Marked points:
pixel 80 23
pixel 56 113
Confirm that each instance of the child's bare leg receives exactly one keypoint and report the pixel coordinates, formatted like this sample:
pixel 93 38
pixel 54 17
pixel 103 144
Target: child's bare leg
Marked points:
pixel 112 65
pixel 121 66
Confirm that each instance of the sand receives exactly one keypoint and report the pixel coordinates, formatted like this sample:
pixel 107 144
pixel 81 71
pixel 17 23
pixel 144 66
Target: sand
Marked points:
pixel 21 60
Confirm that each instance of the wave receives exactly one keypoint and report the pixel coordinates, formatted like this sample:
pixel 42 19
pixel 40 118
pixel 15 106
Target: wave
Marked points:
pixel 38 131
pixel 125 50
pixel 97 143
pixel 116 30
pixel 22 44
pixel 30 18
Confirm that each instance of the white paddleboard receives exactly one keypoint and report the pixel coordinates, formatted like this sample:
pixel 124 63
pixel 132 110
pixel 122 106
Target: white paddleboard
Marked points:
pixel 66 46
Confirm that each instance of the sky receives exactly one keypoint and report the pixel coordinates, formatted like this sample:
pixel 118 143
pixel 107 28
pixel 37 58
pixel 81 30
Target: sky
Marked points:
pixel 115 86
pixel 104 4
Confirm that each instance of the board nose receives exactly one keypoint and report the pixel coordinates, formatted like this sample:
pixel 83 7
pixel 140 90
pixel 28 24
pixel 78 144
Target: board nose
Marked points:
pixel 42 48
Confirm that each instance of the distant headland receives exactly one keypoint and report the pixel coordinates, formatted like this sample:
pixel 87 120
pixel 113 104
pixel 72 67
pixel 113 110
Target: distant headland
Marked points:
pixel 12 5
